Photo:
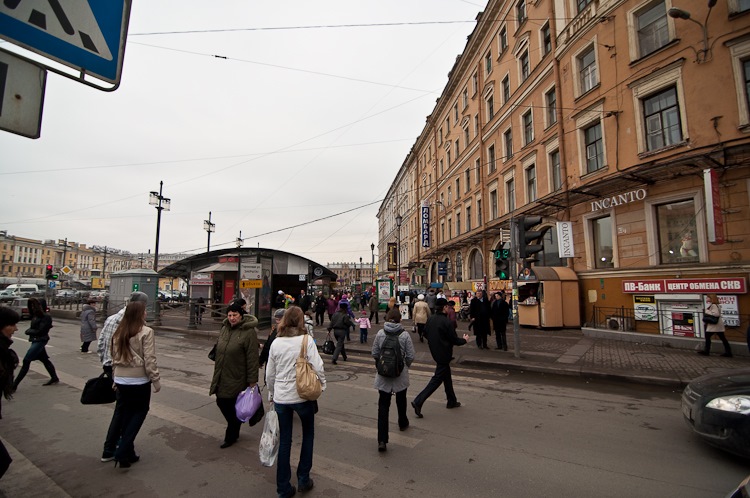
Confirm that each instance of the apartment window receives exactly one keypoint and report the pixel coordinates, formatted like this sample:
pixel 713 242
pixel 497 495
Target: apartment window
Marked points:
pixel 521 12
pixel 467 179
pixel 506 89
pixel 474 83
pixel 555 173
pixel 490 99
pixel 528 128
pixel 491 159
pixel 450 197
pixel 450 228
pixel 458 188
pixel 550 99
pixel 476 124
pixel 493 205
pixel 457 149
pixel 447 125
pixel 488 63
pixel 587 70
pixel 466 135
pixel 479 213
pixel 661 114
pixel 594 147
pixel 508 139
pixel 677 230
pixel 477 171
pixel 510 194
pixel 458 222
pixel 503 39
pixel 546 40
pixel 440 136
pixel 601 229
pixel 582 4
pixel 523 61
pixel 468 218
pixel 653 31
pixel 455 113
pixel 442 169
pixel 739 6
pixel 464 99
pixel 746 76
pixel 531 183
pixel 448 156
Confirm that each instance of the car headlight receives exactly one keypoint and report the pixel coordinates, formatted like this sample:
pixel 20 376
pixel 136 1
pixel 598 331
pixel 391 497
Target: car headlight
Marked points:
pixel 735 404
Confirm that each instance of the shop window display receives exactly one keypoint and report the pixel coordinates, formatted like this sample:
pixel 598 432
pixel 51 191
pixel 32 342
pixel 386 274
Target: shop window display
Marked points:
pixel 677 232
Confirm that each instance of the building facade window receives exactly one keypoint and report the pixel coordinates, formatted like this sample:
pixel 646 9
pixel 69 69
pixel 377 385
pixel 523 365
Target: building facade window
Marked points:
pixel 746 76
pixel 582 4
pixel 448 155
pixel 508 140
pixel 455 113
pixel 476 124
pixel 479 213
pixel 521 12
pixel 488 63
pixel 490 99
pixel 594 147
pixel 458 188
pixel 506 89
pixel 546 40
pixel 468 218
pixel 588 75
pixel 661 115
pixel 653 29
pixel 528 127
pixel 601 229
pixel 510 195
pixel 459 268
pixel 523 62
pixel 531 183
pixel 476 268
pixel 450 196
pixel 555 172
pixel 491 165
pixel 493 205
pixel 440 136
pixel 477 171
pixel 464 99
pixel 442 168
pixel 503 39
pixel 677 232
pixel 466 135
pixel 739 6
pixel 474 84
pixel 467 179
pixel 457 148
pixel 550 99
pixel 458 223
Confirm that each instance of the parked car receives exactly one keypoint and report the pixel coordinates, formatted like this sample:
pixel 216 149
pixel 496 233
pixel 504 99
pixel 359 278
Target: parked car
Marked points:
pixel 717 407
pixel 21 306
pixel 7 295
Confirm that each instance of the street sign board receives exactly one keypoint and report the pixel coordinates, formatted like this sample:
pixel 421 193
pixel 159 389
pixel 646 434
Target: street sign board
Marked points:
pixel 52 284
pixel 66 269
pixel 22 86
pixel 88 36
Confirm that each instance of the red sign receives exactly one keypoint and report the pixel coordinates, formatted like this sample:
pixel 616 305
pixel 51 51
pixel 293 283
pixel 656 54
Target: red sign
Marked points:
pixel 728 285
pixel 640 286
pixel 715 221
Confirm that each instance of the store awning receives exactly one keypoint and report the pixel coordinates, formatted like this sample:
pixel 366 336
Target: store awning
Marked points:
pixel 219 267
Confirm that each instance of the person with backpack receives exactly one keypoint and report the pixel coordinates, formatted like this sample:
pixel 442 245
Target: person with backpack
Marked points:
pixel 393 352
pixel 441 337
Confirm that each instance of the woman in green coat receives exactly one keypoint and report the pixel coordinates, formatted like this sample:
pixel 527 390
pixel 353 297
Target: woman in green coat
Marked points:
pixel 236 367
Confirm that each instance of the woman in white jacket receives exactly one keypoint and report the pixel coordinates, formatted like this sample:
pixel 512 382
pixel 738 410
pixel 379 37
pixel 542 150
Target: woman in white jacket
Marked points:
pixel 281 376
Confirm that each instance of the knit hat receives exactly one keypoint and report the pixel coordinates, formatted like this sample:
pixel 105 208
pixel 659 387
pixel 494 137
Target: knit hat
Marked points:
pixel 279 313
pixel 235 308
pixel 281 292
pixel 420 297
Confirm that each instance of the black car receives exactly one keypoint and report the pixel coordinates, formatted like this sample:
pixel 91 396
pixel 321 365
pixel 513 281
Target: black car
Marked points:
pixel 717 408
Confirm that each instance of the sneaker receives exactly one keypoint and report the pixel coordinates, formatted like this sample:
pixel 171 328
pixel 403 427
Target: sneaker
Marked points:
pixel 453 405
pixel 306 487
pixel 381 446
pixel 108 457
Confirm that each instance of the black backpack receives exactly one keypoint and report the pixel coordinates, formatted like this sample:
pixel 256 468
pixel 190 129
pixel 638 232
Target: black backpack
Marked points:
pixel 390 363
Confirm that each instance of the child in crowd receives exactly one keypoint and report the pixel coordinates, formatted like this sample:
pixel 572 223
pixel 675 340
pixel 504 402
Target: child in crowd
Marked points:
pixel 364 326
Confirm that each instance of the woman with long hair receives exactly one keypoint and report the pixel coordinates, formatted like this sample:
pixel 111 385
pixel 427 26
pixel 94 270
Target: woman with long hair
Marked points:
pixel 714 309
pixel 38 334
pixel 135 372
pixel 281 376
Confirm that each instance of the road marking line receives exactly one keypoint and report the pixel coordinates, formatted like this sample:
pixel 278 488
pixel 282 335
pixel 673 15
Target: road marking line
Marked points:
pixel 366 432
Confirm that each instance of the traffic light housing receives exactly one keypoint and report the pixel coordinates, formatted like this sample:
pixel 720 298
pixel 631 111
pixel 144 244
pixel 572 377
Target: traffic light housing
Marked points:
pixel 502 265
pixel 49 272
pixel 530 241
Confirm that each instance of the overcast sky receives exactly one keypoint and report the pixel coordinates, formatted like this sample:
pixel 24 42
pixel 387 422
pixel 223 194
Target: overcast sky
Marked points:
pixel 293 125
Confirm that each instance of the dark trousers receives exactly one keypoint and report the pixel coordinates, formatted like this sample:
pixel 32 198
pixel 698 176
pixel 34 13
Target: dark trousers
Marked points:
pixel 420 331
pixel 722 337
pixel 5 459
pixel 133 403
pixel 362 336
pixel 442 376
pixel 35 352
pixel 481 336
pixel 306 412
pixel 85 346
pixel 374 314
pixel 384 408
pixel 319 317
pixel 340 335
pixel 502 342
pixel 226 405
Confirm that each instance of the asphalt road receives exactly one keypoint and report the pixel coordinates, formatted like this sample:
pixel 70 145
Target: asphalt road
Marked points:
pixel 520 435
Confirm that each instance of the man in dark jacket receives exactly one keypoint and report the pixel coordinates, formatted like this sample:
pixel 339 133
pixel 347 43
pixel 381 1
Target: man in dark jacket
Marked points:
pixel 304 301
pixel 340 324
pixel 479 311
pixel 499 313
pixel 441 337
pixel 320 308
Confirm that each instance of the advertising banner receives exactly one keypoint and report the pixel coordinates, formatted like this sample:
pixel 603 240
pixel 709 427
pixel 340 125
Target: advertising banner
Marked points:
pixel 565 239
pixel 425 224
pixel 644 308
pixel 392 256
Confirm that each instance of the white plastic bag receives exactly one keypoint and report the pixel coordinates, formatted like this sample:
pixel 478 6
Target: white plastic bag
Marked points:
pixel 268 449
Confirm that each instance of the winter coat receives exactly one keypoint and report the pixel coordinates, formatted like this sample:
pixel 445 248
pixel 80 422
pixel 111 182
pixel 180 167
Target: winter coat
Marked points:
pixel 39 329
pixel 421 312
pixel 320 304
pixel 431 299
pixel 8 362
pixel 237 363
pixel 331 306
pixel 143 358
pixel 441 337
pixel 394 384
pixel 340 321
pixel 374 304
pixel 480 312
pixel 88 323
pixel 715 310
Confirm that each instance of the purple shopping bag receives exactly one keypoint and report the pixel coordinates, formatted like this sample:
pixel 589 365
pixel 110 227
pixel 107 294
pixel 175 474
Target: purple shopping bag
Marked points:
pixel 248 402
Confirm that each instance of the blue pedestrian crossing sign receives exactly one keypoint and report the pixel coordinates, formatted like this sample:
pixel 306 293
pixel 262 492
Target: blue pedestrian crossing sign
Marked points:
pixel 86 35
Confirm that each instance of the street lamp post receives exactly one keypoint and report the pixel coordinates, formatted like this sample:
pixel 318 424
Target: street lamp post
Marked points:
pixel 399 219
pixel 160 202
pixel 372 264
pixel 209 227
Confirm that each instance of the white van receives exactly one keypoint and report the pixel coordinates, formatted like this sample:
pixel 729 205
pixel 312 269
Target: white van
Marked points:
pixel 22 289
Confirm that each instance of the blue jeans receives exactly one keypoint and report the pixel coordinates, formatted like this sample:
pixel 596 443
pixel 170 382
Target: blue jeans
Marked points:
pixel 36 351
pixel 306 412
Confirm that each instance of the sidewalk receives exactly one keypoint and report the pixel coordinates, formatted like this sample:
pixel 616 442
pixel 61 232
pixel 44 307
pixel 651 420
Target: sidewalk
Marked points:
pixel 559 352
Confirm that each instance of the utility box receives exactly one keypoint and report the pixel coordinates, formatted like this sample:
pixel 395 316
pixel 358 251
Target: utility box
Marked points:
pixel 548 296
pixel 124 283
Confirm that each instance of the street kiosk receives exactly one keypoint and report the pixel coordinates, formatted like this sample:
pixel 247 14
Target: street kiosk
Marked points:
pixel 548 296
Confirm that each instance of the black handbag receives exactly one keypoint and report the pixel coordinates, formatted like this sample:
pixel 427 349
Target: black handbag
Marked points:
pixel 329 346
pixel 212 353
pixel 98 391
pixel 710 319
pixel 258 416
